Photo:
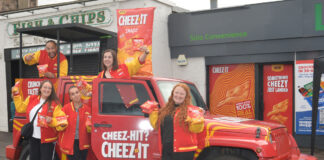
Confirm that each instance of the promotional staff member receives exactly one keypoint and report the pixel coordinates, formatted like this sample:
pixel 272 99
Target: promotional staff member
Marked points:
pixel 75 139
pixel 49 57
pixel 113 70
pixel 179 122
pixel 46 121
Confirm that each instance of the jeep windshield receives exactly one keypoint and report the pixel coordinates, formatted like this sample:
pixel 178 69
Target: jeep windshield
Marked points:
pixel 167 86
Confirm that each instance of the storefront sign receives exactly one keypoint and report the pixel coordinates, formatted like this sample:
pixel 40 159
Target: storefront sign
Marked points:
pixel 231 90
pixel 78 48
pixel 319 26
pixel 135 28
pixel 278 94
pixel 91 17
pixel 199 37
pixel 303 99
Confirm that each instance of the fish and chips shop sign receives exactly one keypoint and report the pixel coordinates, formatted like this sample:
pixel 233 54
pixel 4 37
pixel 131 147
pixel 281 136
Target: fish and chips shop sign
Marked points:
pixel 90 17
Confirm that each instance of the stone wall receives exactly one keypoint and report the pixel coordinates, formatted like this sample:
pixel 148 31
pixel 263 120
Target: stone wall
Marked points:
pixel 10 5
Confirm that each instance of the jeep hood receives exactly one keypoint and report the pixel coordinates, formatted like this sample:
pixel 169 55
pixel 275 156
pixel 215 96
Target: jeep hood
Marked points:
pixel 240 125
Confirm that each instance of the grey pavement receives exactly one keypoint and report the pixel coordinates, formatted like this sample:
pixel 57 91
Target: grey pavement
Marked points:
pixel 319 154
pixel 6 139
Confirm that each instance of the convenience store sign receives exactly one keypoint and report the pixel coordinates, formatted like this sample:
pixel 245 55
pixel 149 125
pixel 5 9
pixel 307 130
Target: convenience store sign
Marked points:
pixel 319 26
pixel 90 17
pixel 200 37
pixel 78 48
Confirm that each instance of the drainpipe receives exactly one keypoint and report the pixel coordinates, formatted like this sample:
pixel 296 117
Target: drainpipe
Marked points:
pixel 213 4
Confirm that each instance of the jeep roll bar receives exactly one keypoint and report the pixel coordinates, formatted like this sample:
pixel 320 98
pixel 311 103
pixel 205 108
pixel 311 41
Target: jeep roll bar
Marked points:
pixel 70 33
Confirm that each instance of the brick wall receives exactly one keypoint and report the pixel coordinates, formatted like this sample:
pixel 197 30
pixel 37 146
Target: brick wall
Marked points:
pixel 9 5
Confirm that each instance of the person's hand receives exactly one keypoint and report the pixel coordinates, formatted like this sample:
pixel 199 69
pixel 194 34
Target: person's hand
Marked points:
pixel 29 57
pixel 149 106
pixel 49 75
pixel 86 93
pixel 144 49
pixel 14 91
pixel 48 119
pixel 89 94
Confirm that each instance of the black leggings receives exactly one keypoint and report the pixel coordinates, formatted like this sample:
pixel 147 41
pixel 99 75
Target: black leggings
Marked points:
pixel 78 154
pixel 40 151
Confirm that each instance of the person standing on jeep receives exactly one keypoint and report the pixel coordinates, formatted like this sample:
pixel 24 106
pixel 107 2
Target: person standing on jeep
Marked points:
pixel 179 122
pixel 47 60
pixel 75 139
pixel 113 70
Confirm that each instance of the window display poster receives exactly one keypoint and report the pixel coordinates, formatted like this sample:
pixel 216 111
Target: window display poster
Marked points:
pixel 303 99
pixel 278 94
pixel 231 90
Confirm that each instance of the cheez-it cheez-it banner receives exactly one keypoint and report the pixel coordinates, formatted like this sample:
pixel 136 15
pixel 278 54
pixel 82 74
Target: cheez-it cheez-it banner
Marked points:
pixel 135 28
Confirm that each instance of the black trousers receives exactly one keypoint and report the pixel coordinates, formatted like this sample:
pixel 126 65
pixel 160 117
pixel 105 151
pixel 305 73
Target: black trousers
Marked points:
pixel 40 151
pixel 78 154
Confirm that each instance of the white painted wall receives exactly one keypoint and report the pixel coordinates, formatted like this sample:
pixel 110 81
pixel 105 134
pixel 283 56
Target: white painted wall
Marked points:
pixel 162 66
pixel 161 57
pixel 3 87
pixel 195 72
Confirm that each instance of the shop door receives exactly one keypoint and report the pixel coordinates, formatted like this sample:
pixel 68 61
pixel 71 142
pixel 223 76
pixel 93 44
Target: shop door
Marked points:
pixel 278 94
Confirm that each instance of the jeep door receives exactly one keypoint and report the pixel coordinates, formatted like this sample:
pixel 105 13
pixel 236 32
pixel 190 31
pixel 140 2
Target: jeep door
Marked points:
pixel 119 128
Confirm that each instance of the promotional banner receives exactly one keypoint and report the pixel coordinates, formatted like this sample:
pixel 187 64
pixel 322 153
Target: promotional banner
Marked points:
pixel 303 99
pixel 28 87
pixel 231 90
pixel 135 28
pixel 278 94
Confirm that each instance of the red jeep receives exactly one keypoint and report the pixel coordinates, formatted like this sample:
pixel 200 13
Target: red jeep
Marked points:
pixel 121 131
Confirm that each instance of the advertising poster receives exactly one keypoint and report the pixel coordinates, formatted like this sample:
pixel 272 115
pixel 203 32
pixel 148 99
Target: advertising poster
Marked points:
pixel 231 90
pixel 303 99
pixel 135 28
pixel 28 87
pixel 278 94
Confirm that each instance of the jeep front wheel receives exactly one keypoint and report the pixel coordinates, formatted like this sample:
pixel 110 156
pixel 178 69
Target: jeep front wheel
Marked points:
pixel 227 153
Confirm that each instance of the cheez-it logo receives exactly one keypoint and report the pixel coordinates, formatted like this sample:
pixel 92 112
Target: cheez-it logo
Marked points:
pixel 122 12
pixel 277 67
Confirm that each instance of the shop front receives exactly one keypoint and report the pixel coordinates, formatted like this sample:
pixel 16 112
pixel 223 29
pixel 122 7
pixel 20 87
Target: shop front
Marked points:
pixel 254 61
pixel 111 16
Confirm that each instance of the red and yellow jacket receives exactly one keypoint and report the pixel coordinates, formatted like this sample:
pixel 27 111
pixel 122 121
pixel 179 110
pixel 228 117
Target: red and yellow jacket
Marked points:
pixel 48 134
pixel 124 71
pixel 41 57
pixel 184 139
pixel 66 137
